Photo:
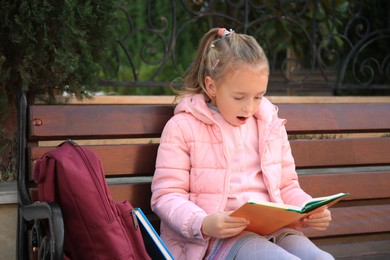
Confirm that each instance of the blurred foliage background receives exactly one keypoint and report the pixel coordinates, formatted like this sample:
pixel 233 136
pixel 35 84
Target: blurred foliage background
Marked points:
pixel 332 47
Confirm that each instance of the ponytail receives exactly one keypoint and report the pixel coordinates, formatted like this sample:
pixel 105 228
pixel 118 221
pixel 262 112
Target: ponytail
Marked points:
pixel 220 51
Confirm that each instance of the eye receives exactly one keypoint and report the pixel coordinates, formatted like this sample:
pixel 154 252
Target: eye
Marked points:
pixel 259 97
pixel 238 98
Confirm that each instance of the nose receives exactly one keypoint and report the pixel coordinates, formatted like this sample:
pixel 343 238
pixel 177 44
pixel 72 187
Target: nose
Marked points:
pixel 247 106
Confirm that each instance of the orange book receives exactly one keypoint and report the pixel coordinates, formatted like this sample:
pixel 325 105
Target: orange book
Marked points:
pixel 267 217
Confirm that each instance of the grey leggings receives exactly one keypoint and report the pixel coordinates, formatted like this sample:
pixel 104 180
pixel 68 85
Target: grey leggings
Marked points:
pixel 289 247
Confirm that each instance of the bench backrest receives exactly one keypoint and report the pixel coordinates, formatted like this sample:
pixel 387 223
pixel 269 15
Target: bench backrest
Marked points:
pixel 337 148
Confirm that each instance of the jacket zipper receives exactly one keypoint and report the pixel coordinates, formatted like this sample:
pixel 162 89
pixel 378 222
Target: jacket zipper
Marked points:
pixel 266 178
pixel 228 170
pixel 87 163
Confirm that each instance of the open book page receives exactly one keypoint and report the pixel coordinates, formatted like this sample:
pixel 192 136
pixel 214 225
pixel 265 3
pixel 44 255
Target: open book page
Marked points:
pixel 267 217
pixel 306 207
pixel 321 201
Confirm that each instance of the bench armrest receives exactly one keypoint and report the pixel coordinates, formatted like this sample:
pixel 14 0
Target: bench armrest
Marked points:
pixel 52 243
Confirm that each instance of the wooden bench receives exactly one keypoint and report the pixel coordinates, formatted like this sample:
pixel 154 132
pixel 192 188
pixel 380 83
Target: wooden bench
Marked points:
pixel 350 153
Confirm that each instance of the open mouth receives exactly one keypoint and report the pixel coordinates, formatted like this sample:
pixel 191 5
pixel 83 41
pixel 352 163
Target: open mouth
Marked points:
pixel 242 118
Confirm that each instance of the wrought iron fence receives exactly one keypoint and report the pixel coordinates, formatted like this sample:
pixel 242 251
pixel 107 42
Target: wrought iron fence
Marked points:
pixel 325 45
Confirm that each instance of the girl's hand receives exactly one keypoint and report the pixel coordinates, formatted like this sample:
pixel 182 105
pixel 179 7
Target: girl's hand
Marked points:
pixel 220 225
pixel 318 221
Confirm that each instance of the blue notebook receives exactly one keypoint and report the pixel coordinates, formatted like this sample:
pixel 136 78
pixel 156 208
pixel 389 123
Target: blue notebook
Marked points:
pixel 153 243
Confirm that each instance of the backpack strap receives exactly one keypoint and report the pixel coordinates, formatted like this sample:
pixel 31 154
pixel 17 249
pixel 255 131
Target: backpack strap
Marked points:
pixel 44 175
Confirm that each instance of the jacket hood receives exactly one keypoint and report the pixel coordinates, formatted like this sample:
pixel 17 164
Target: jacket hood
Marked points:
pixel 196 105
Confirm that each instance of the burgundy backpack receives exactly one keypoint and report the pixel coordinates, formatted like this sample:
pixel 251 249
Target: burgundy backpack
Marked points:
pixel 95 226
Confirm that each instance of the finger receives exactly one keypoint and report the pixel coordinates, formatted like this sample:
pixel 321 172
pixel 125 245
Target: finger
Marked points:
pixel 229 219
pixel 324 212
pixel 319 227
pixel 316 223
pixel 319 218
pixel 233 225
pixel 229 232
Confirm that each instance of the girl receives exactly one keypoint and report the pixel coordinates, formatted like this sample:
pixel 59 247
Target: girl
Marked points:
pixel 226 145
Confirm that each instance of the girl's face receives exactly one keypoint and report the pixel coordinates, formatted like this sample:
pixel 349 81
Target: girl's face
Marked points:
pixel 238 95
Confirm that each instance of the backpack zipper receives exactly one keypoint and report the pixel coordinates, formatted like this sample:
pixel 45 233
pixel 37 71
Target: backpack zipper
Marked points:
pixel 87 163
pixel 135 220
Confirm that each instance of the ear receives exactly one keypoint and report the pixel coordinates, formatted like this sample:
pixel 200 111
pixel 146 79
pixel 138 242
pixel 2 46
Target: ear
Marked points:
pixel 210 86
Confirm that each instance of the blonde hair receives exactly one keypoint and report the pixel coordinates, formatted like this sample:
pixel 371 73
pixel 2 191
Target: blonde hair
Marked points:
pixel 217 55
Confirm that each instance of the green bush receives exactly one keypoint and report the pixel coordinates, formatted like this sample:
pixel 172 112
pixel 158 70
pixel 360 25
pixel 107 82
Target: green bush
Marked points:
pixel 48 47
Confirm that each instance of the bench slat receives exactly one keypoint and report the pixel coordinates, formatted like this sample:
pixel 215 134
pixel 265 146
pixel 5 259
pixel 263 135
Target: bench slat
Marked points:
pixel 118 121
pixel 360 185
pixel 137 193
pixel 373 185
pixel 93 121
pixel 356 220
pixel 341 152
pixel 124 159
pixel 336 117
pixel 118 159
pixel 365 186
pixel 363 249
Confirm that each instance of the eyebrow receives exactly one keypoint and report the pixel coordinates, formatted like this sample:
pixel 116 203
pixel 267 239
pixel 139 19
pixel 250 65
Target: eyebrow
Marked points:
pixel 244 93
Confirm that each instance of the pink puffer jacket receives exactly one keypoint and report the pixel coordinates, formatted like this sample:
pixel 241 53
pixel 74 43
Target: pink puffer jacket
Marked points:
pixel 193 171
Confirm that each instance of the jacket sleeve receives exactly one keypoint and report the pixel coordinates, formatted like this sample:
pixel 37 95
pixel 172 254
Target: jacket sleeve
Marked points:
pixel 170 184
pixel 291 191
